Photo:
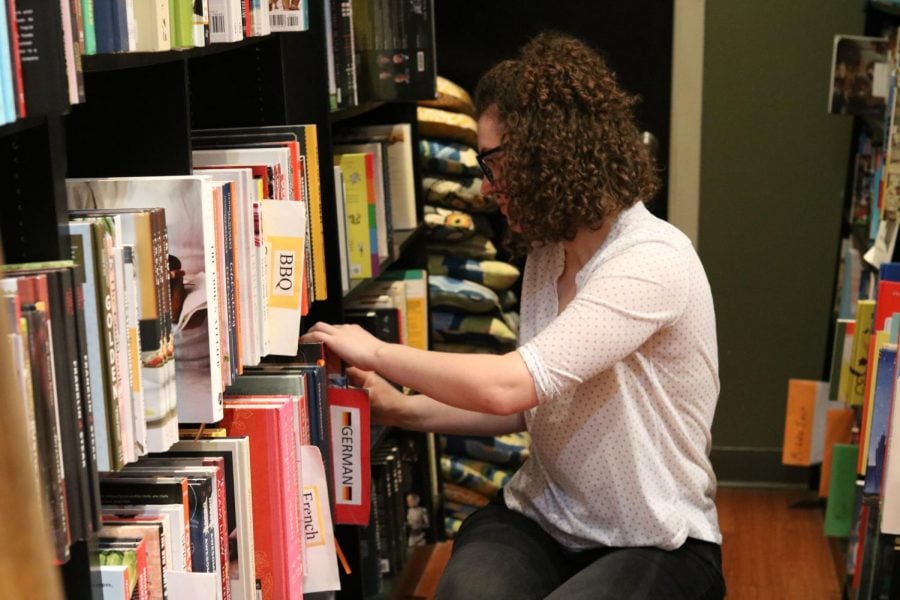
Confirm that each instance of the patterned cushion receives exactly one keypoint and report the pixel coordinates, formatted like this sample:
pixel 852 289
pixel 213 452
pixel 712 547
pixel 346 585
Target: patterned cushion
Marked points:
pixel 451 96
pixel 477 475
pixel 458 294
pixel 449 225
pixel 477 247
pixel 463 193
pixel 438 123
pixel 474 329
pixel 448 158
pixel 495 274
pixel 510 450
pixel 457 493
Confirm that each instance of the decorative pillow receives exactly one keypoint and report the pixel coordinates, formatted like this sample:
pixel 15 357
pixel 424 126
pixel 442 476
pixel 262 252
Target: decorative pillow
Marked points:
pixel 438 123
pixel 451 96
pixel 508 299
pixel 463 194
pixel 510 450
pixel 511 318
pixel 451 526
pixel 462 295
pixel 476 247
pixel 477 475
pixel 458 510
pixel 448 225
pixel 495 274
pixel 448 158
pixel 458 493
pixel 473 329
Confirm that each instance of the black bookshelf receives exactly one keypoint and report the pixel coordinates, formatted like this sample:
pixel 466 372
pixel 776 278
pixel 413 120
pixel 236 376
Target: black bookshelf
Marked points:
pixel 137 119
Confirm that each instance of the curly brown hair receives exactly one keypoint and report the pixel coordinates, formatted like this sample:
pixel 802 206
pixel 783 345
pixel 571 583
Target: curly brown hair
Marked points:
pixel 573 155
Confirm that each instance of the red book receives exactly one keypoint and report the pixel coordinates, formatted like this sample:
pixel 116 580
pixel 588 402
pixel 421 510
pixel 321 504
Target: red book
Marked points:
pixel 268 422
pixel 888 302
pixel 18 85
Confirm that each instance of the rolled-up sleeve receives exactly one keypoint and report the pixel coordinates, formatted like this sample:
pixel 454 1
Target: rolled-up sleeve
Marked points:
pixel 620 305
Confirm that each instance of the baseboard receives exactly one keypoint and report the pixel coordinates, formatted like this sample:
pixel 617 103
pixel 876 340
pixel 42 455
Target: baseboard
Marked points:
pixel 745 465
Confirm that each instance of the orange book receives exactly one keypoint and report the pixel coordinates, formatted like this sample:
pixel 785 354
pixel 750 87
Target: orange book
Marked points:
pixel 804 423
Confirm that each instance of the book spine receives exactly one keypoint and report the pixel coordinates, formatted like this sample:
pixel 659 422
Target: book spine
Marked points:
pixel 71 407
pixel 372 207
pixel 106 285
pixel 41 54
pixel 292 488
pixel 90 35
pixel 47 426
pixel 260 426
pixel 86 395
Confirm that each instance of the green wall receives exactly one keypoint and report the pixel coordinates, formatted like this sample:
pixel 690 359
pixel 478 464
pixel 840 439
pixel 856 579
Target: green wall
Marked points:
pixel 773 169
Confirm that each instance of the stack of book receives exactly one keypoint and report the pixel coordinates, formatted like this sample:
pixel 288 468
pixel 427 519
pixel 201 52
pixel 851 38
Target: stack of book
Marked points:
pixel 380 50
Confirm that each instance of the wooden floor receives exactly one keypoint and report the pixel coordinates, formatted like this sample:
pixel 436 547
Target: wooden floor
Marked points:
pixel 773 549
pixel 773 546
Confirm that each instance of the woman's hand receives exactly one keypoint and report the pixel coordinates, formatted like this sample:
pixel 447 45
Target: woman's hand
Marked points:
pixel 355 345
pixel 387 403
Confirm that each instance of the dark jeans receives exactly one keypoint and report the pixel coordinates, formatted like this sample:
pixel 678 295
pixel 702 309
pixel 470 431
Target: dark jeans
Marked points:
pixel 500 554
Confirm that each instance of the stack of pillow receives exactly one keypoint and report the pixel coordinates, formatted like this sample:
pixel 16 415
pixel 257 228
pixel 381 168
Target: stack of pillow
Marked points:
pixel 474 470
pixel 473 307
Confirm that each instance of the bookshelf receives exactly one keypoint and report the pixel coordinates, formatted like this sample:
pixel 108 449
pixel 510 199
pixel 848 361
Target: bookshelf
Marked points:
pixel 137 119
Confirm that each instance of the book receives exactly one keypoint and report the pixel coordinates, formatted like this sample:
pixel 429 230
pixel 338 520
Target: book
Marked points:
pixel 839 421
pixel 416 281
pixel 268 425
pixel 174 523
pixel 225 22
pixel 190 217
pixel 859 76
pixel 44 78
pixel 358 171
pixel 306 138
pixel 235 452
pixel 153 27
pixel 398 156
pixel 50 460
pixel 882 402
pixel 804 425
pixel 865 326
pixel 247 271
pixel 152 533
pixel 379 187
pixel 395 49
pixel 341 214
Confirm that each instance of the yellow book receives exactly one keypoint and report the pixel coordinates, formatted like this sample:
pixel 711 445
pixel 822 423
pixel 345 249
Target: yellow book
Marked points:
pixel 416 305
pixel 310 147
pixel 865 318
pixel 356 201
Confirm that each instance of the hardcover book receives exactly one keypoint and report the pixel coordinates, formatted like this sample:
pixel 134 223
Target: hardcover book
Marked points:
pixel 195 297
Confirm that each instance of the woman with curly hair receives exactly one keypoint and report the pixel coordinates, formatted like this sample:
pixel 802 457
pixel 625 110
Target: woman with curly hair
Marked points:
pixel 616 373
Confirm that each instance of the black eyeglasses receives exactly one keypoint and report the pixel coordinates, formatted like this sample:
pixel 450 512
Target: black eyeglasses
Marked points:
pixel 485 168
